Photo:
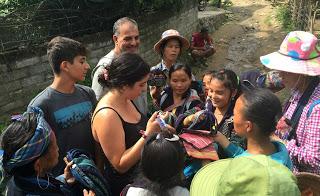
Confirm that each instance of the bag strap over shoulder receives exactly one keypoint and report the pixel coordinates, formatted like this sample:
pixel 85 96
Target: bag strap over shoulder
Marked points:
pixel 312 106
pixel 294 121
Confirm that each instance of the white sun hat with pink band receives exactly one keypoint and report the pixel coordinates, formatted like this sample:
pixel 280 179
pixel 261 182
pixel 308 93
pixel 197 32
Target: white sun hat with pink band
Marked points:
pixel 169 34
pixel 299 53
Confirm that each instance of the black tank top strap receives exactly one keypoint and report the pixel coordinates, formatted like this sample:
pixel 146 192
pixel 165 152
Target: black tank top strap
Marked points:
pixel 107 108
pixel 136 107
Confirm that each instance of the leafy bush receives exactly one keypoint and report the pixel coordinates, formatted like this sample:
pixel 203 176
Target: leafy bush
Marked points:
pixel 7 6
pixel 283 15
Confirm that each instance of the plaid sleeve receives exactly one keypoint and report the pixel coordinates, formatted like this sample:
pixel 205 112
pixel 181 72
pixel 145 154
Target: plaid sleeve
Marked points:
pixel 307 152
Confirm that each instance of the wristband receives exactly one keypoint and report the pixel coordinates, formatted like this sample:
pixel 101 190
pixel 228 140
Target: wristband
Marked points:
pixel 143 135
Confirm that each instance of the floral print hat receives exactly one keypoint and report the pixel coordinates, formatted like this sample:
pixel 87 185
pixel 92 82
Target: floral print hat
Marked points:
pixel 299 53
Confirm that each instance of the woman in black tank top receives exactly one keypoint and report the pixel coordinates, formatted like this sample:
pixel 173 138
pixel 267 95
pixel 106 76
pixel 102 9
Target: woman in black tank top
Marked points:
pixel 117 122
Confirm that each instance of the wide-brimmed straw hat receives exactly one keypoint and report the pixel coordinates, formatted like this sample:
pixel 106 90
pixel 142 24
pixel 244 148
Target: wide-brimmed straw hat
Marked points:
pixel 169 34
pixel 299 53
pixel 246 175
pixel 308 180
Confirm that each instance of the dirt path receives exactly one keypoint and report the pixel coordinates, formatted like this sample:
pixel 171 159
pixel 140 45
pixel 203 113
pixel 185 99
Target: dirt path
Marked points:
pixel 251 31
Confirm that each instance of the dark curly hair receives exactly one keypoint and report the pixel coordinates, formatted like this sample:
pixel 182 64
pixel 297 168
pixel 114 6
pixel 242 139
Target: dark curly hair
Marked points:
pixel 126 69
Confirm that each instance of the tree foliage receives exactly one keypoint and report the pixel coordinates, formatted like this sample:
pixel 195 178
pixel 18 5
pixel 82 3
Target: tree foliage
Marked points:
pixel 133 6
pixel 8 6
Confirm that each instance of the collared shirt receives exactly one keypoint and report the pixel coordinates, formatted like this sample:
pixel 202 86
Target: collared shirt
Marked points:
pixel 304 151
pixel 162 66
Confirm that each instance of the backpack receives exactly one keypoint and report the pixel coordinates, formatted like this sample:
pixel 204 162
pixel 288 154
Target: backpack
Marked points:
pixel 86 173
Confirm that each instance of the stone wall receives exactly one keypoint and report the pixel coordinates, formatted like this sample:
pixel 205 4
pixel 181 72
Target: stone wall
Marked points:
pixel 25 72
pixel 212 19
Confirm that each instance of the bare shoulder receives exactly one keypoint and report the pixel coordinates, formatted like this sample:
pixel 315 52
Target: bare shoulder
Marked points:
pixel 105 114
pixel 106 124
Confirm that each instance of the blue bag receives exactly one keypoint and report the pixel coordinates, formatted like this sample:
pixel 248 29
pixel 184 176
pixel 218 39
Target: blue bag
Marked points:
pixel 86 173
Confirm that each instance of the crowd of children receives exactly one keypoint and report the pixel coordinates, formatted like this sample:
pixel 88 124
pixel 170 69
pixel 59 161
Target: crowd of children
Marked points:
pixel 240 121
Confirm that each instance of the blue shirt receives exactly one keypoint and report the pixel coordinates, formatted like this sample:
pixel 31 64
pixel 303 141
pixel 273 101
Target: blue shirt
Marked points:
pixel 281 155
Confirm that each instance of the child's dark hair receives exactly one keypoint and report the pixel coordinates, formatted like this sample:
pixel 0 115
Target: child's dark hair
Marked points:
pixel 17 134
pixel 163 45
pixel 263 108
pixel 229 78
pixel 180 66
pixel 162 162
pixel 63 49
pixel 127 69
pixel 208 72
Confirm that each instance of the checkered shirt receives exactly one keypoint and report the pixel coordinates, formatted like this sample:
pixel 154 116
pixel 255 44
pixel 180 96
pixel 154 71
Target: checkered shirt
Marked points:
pixel 304 151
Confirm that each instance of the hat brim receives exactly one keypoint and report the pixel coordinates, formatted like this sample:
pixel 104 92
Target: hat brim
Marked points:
pixel 184 41
pixel 206 180
pixel 284 63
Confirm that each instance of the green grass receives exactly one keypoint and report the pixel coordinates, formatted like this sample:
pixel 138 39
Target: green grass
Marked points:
pixel 268 20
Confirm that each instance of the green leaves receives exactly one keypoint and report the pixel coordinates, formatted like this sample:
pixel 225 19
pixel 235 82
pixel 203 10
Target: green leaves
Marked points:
pixel 284 15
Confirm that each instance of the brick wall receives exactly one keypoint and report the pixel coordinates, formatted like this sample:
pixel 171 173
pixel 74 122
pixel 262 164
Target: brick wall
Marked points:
pixel 24 73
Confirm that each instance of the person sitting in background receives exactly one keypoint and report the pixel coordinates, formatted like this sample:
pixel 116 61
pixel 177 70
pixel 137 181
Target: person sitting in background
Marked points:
pixel 161 165
pixel 30 151
pixel 255 117
pixel 243 176
pixel 201 45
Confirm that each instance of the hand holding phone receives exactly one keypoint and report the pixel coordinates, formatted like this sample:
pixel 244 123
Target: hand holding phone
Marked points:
pixel 162 123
